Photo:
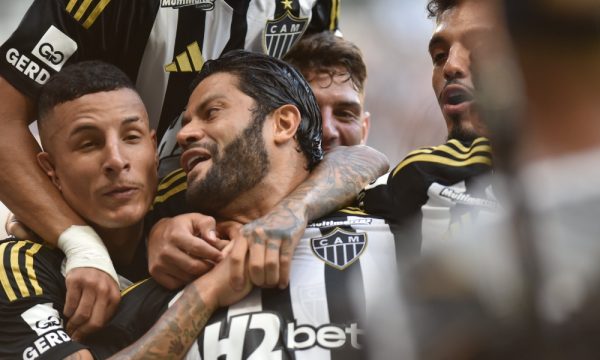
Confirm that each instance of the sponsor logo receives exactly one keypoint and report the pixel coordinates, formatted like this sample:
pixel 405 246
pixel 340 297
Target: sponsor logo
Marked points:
pixel 45 343
pixel 339 248
pixel 27 66
pixel 466 199
pixel 189 60
pixel 280 34
pixel 42 318
pixel 228 338
pixel 54 48
pixel 205 5
pixel 331 223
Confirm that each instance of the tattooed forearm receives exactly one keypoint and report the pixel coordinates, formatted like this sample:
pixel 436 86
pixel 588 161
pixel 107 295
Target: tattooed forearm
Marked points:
pixel 175 331
pixel 337 180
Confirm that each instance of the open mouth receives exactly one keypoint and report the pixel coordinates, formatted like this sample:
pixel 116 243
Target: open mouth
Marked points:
pixel 191 158
pixel 457 96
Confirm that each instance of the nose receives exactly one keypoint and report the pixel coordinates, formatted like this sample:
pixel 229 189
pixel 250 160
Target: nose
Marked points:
pixel 189 134
pixel 115 160
pixel 458 63
pixel 331 134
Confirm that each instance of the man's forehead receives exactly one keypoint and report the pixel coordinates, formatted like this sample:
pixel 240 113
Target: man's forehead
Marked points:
pixel 468 15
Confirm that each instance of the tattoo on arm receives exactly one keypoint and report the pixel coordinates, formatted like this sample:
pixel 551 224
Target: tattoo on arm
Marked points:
pixel 175 331
pixel 337 180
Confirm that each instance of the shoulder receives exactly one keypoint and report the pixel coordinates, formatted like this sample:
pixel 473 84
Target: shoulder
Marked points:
pixel 452 154
pixel 170 197
pixel 28 269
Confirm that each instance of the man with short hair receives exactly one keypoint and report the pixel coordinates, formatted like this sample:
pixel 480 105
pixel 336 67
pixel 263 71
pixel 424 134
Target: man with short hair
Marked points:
pixel 101 155
pixel 336 72
pixel 248 101
pixel 435 191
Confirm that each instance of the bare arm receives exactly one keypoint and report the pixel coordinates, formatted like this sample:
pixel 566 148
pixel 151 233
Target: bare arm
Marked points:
pixel 333 184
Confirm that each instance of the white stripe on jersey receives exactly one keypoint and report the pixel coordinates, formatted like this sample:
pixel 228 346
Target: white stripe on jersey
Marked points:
pixel 376 263
pixel 152 79
pixel 306 7
pixel 256 17
pixel 251 303
pixel 218 24
pixel 307 293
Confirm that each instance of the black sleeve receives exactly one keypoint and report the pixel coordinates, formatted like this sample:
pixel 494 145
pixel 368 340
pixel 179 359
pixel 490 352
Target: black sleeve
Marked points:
pixel 170 198
pixel 141 306
pixel 31 302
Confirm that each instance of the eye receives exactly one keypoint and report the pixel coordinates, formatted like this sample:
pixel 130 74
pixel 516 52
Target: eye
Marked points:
pixel 346 116
pixel 212 112
pixel 132 137
pixel 87 145
pixel 438 57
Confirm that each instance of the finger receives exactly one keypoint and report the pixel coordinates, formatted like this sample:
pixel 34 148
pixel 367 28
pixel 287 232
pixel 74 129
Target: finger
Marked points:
pixel 168 280
pixel 186 267
pixel 256 261
pixel 272 263
pixel 83 311
pixel 72 298
pixel 285 263
pixel 196 247
pixel 97 319
pixel 221 245
pixel 237 257
pixel 204 227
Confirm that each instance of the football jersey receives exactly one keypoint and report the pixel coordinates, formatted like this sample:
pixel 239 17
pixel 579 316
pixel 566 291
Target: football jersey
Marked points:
pixel 435 191
pixel 159 44
pixel 32 298
pixel 338 270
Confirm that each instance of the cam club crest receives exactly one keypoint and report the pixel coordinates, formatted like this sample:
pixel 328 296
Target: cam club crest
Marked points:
pixel 280 34
pixel 339 248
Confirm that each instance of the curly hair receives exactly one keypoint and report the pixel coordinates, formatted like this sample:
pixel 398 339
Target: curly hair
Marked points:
pixel 436 8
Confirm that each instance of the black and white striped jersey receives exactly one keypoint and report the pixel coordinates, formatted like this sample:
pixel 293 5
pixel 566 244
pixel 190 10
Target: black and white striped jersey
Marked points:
pixel 338 271
pixel 435 191
pixel 160 44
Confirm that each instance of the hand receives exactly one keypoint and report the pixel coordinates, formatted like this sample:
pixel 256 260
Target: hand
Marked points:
pixel 182 248
pixel 215 285
pixel 92 299
pixel 17 229
pixel 271 241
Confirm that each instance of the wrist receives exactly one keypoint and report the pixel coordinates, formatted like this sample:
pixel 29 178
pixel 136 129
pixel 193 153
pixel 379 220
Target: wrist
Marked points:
pixel 207 290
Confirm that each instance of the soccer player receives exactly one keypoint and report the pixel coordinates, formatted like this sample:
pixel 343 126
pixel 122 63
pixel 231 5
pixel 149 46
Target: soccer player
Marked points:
pixel 251 133
pixel 336 72
pixel 433 192
pixel 159 44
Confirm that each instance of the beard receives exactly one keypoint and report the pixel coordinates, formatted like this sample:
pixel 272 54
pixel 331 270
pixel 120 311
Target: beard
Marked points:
pixel 243 164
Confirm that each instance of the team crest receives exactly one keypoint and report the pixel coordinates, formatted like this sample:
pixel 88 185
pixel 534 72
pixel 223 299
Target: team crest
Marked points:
pixel 205 5
pixel 339 248
pixel 280 34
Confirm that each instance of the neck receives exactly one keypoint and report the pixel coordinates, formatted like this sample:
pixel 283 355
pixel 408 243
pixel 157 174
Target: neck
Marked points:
pixel 285 174
pixel 122 243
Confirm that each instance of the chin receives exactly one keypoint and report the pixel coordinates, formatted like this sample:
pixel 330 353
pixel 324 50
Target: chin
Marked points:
pixel 121 219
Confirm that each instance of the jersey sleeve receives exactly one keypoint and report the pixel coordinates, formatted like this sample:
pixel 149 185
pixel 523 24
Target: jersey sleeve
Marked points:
pixel 31 302
pixel 141 306
pixel 325 16
pixel 170 198
pixel 54 33
pixel 399 195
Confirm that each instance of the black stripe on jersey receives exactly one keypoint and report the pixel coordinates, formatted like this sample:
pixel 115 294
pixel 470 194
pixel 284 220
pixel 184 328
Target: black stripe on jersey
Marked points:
pixel 18 278
pixel 86 12
pixel 342 299
pixel 190 28
pixel 219 316
pixel 239 26
pixel 280 302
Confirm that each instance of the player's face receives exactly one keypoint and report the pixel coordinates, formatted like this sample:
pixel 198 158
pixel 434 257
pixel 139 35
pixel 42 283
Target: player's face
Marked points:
pixel 104 157
pixel 223 146
pixel 459 33
pixel 344 119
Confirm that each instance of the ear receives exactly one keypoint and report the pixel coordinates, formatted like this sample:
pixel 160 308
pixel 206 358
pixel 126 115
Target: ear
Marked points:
pixel 366 125
pixel 286 120
pixel 46 163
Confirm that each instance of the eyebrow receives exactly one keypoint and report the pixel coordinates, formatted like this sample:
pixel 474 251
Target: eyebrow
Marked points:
pixel 87 127
pixel 203 104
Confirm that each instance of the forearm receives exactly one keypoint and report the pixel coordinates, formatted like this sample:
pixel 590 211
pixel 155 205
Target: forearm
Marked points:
pixel 336 181
pixel 176 330
pixel 25 188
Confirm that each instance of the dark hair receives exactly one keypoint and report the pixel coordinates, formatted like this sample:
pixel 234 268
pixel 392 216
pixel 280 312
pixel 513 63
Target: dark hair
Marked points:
pixel 77 80
pixel 436 8
pixel 273 83
pixel 324 51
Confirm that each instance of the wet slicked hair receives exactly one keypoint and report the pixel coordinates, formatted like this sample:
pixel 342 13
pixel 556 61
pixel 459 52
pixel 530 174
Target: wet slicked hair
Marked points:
pixel 273 83
pixel 435 8
pixel 77 80
pixel 324 51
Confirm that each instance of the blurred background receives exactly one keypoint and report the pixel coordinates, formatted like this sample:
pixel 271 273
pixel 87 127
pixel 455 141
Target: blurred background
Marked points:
pixel 393 35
